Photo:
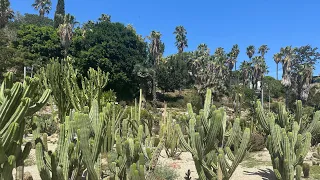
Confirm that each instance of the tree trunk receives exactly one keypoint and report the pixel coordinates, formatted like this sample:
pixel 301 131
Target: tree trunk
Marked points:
pixel 261 87
pixel 277 71
pixel 154 89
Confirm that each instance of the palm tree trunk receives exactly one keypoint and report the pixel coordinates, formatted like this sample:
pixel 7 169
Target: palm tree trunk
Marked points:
pixel 287 96
pixel 277 71
pixel 261 87
pixel 154 87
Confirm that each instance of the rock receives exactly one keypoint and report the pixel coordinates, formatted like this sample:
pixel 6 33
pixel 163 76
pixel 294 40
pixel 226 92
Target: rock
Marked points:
pixel 27 176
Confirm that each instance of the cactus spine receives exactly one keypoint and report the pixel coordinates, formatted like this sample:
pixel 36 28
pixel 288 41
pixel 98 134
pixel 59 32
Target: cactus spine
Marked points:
pixel 288 143
pixel 208 142
pixel 18 100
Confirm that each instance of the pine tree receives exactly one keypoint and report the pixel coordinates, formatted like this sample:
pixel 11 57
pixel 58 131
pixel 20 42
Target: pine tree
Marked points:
pixel 59 14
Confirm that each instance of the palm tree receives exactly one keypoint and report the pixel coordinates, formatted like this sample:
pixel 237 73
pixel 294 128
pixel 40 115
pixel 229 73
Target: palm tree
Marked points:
pixel 263 49
pixel 6 13
pixel 260 68
pixel 250 51
pixel 105 17
pixel 288 56
pixel 66 32
pixel 44 6
pixel 246 72
pixel 234 55
pixel 306 74
pixel 277 58
pixel 181 38
pixel 156 49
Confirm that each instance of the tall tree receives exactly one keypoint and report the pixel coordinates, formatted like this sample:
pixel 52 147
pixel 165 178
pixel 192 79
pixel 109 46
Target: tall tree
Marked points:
pixel 288 56
pixel 260 68
pixel 263 49
pixel 59 14
pixel 181 38
pixel 250 51
pixel 302 69
pixel 234 55
pixel 246 72
pixel 6 13
pixel 66 32
pixel 156 50
pixel 105 17
pixel 43 6
pixel 277 58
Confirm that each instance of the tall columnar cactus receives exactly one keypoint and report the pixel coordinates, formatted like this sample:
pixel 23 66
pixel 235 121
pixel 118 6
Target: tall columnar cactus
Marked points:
pixel 210 142
pixel 64 163
pixel 170 134
pixel 63 79
pixel 72 154
pixel 136 153
pixel 17 101
pixel 113 116
pixel 91 145
pixel 91 87
pixel 54 77
pixel 288 140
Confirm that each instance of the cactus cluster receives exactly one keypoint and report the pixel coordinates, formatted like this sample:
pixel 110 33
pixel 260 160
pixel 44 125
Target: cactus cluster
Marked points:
pixel 136 150
pixel 63 79
pixel 77 147
pixel 170 134
pixel 210 142
pixel 288 139
pixel 17 101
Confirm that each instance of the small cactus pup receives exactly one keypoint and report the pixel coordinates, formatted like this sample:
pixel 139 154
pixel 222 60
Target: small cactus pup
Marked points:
pixel 209 141
pixel 306 170
pixel 288 141
pixel 17 101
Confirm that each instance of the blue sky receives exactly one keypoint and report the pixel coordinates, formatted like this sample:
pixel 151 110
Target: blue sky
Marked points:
pixel 277 23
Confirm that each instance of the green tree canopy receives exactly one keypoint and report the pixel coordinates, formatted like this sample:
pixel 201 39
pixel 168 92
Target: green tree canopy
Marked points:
pixel 173 74
pixel 36 45
pixel 115 49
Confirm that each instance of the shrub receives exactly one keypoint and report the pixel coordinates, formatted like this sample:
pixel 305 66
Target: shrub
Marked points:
pixel 257 142
pixel 109 96
pixel 165 173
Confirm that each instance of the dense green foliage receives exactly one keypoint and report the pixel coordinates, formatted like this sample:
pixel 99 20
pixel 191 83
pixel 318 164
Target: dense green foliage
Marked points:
pixel 117 51
pixel 59 13
pixel 173 74
pixel 36 45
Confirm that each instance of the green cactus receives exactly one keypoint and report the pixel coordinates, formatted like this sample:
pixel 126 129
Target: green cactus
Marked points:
pixel 62 78
pixel 64 163
pixel 209 142
pixel 288 140
pixel 170 134
pixel 136 153
pixel 298 172
pixel 17 101
pixel 316 156
pixel 91 87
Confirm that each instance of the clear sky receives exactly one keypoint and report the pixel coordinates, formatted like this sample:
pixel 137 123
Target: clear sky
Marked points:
pixel 277 23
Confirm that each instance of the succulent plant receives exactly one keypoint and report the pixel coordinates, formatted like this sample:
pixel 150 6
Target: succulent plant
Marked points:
pixel 209 142
pixel 17 101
